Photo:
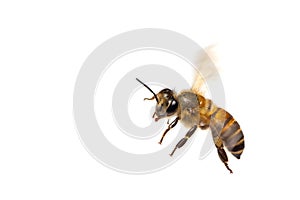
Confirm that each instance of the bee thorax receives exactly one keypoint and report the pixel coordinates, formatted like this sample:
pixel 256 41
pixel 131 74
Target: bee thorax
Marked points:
pixel 189 109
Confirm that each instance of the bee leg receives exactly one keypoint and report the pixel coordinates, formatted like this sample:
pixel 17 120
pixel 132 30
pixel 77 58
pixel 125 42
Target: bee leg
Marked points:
pixel 204 127
pixel 223 157
pixel 172 125
pixel 183 140
pixel 220 147
pixel 204 124
pixel 149 98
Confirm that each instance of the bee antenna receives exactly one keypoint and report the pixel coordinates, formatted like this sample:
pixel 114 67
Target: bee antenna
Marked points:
pixel 148 89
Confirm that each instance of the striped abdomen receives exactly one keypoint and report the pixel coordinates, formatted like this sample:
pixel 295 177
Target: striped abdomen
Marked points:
pixel 228 130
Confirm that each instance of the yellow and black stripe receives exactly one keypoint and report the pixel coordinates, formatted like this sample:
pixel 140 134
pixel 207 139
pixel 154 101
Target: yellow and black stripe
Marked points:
pixel 229 131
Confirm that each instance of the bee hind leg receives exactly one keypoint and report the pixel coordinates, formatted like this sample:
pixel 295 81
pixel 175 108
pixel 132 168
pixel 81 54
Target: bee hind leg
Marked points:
pixel 224 158
pixel 220 147
pixel 183 140
pixel 204 127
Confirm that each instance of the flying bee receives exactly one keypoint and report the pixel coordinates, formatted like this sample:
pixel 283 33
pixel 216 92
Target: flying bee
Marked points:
pixel 195 111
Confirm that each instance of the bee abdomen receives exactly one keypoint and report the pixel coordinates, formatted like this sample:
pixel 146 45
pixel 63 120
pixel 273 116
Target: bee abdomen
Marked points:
pixel 233 137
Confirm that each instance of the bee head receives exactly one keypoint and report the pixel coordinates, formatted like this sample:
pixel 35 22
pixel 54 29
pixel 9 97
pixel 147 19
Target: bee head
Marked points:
pixel 166 102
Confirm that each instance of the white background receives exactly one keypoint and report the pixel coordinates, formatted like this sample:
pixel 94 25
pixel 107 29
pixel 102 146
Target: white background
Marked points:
pixel 42 47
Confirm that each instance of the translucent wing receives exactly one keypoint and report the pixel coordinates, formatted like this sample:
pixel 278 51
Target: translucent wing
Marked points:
pixel 205 69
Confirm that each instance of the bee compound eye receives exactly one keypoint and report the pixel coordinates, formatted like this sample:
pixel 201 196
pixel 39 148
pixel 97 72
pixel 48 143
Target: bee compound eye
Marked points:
pixel 172 106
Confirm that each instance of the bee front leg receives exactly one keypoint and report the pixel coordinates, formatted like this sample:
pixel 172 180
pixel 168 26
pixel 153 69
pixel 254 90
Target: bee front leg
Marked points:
pixel 183 140
pixel 149 98
pixel 172 125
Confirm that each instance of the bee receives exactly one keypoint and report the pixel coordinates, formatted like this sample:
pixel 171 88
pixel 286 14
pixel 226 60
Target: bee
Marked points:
pixel 195 111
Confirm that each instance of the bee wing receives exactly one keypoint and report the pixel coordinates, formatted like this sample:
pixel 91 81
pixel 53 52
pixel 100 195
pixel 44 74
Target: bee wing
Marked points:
pixel 205 69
